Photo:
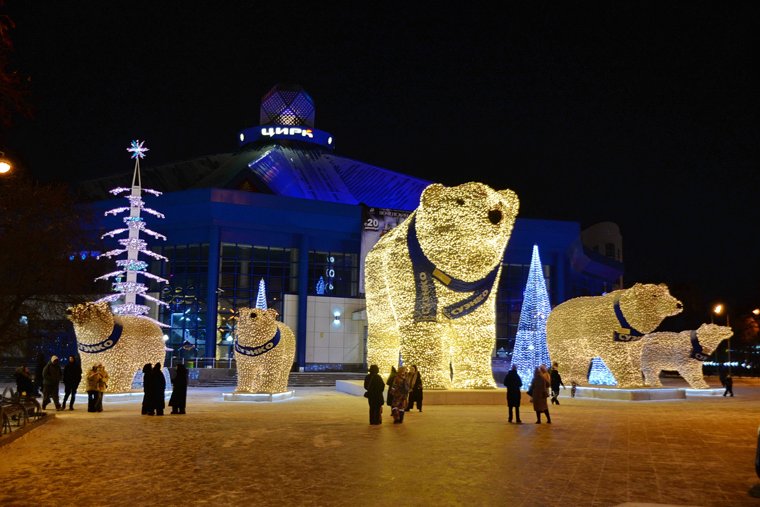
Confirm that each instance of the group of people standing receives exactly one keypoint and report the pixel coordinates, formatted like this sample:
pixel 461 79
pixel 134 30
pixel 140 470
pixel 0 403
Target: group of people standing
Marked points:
pixel 49 374
pixel 154 390
pixel 544 385
pixel 52 374
pixel 404 392
pixel 97 383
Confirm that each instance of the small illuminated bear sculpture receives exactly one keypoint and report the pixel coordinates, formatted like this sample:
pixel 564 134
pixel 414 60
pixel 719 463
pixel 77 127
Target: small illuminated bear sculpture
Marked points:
pixel 682 352
pixel 611 327
pixel 264 351
pixel 123 343
pixel 430 285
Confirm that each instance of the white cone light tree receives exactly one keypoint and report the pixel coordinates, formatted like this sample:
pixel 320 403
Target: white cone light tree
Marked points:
pixel 126 285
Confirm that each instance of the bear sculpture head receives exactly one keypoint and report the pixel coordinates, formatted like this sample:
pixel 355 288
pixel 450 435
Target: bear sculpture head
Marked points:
pixel 465 227
pixel 92 321
pixel 256 326
pixel 710 336
pixel 648 304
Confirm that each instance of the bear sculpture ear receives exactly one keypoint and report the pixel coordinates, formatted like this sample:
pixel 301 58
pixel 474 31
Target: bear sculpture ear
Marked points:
pixel 432 193
pixel 103 306
pixel 271 312
pixel 510 197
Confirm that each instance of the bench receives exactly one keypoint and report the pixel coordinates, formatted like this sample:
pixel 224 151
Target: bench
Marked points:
pixel 18 409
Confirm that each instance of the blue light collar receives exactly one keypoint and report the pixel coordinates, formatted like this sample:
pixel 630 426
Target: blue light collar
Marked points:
pixel 696 348
pixel 106 344
pixel 259 350
pixel 426 301
pixel 626 332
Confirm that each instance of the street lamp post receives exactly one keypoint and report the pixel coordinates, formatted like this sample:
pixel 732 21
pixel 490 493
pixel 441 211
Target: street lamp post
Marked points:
pixel 718 310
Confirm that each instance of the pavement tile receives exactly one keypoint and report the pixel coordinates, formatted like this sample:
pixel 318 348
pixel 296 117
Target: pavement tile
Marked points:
pixel 317 449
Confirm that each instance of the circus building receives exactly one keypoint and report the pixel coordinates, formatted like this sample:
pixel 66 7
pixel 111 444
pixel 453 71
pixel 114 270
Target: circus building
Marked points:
pixel 286 214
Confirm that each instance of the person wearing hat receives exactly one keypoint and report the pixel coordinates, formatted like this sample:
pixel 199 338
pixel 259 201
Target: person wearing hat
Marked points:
pixel 51 380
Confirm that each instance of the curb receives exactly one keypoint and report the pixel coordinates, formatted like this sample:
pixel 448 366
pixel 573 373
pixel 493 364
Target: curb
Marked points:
pixel 20 432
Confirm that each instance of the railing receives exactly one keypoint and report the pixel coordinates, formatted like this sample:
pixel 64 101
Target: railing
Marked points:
pixel 203 362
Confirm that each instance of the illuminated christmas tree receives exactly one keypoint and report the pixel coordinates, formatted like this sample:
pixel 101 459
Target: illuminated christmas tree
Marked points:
pixel 126 285
pixel 530 343
pixel 600 374
pixel 321 286
pixel 261 296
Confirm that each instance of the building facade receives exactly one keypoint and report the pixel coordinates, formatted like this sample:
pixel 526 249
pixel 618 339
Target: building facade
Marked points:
pixel 286 209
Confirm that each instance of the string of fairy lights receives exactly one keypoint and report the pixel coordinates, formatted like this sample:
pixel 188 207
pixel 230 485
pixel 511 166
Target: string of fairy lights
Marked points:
pixel 126 286
pixel 430 286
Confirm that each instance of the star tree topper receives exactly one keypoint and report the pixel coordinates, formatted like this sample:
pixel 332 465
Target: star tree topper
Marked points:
pixel 137 149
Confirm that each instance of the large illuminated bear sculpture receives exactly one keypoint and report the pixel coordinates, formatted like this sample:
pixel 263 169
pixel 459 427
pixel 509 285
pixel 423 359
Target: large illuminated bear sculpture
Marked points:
pixel 430 285
pixel 123 343
pixel 264 351
pixel 682 352
pixel 611 327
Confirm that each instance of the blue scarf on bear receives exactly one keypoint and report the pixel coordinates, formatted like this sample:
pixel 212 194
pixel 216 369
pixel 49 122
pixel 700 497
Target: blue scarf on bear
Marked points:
pixel 426 301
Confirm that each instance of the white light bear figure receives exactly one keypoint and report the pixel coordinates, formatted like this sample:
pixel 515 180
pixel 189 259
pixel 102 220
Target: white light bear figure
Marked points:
pixel 123 343
pixel 431 286
pixel 611 327
pixel 264 351
pixel 683 352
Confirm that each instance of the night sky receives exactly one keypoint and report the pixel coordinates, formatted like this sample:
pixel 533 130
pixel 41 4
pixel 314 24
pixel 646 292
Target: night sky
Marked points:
pixel 640 113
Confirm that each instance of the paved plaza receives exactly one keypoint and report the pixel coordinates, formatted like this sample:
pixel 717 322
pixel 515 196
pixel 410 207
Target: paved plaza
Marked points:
pixel 318 449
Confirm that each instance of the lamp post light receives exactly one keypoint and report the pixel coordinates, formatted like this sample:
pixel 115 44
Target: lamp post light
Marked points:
pixel 5 164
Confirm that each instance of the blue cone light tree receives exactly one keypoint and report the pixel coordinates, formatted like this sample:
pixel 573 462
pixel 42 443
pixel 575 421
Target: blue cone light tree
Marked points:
pixel 530 343
pixel 600 374
pixel 261 296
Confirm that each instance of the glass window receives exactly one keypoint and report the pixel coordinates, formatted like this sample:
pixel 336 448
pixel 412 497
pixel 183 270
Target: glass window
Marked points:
pixel 185 295
pixel 333 274
pixel 243 267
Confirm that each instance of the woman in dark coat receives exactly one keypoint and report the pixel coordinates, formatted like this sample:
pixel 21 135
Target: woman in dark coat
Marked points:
pixel 178 398
pixel 148 407
pixel 399 395
pixel 415 388
pixel 513 383
pixel 72 376
pixel 24 382
pixel 389 383
pixel 539 392
pixel 159 389
pixel 375 386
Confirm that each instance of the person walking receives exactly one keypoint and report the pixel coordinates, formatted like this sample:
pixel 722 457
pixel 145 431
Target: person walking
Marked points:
pixel 178 398
pixel 399 395
pixel 556 381
pixel 102 385
pixel 159 388
pixel 38 368
pixel 148 407
pixel 93 376
pixel 51 380
pixel 513 383
pixel 375 386
pixel 729 385
pixel 72 376
pixel 539 391
pixel 415 389
pixel 389 383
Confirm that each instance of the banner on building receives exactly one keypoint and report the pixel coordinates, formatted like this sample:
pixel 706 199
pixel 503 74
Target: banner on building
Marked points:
pixel 376 222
